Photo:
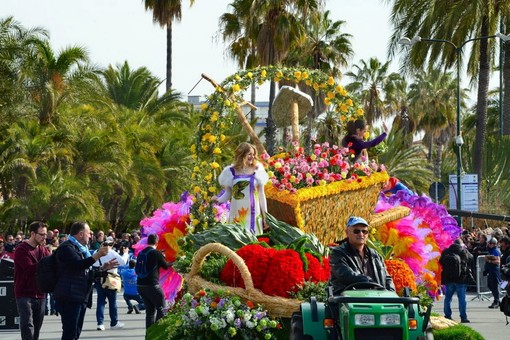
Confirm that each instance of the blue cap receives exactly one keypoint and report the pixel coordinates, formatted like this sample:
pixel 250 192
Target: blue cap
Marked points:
pixel 355 220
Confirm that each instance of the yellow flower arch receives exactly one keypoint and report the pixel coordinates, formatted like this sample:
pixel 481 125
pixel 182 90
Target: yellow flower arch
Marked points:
pixel 225 100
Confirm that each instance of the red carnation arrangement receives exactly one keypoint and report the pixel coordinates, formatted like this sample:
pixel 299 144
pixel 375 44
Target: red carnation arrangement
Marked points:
pixel 275 272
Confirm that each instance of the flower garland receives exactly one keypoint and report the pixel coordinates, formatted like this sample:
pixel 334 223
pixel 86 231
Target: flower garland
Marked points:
pixel 401 274
pixel 217 115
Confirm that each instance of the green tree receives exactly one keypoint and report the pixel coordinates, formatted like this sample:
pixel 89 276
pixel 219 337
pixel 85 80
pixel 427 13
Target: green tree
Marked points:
pixel 369 80
pixel 164 12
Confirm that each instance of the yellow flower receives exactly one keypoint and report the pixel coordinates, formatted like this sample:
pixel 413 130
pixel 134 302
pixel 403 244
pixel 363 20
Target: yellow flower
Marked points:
pixel 215 165
pixel 304 75
pixel 263 73
pixel 203 106
pixel 208 127
pixel 237 77
pixel 193 148
pixel 313 157
pixel 343 118
pixel 327 101
pixel 195 222
pixel 222 137
pixel 349 102
pixel 339 89
pixel 297 75
pixel 279 74
pixel 212 189
pixel 208 177
pixel 344 108
pixel 308 175
pixel 308 82
pixel 277 165
pixel 292 179
pixel 215 116
pixel 343 93
pixel 212 138
pixel 236 88
pixel 331 95
pixel 270 174
pixel 193 175
pixel 216 151
pixel 315 86
pixel 205 147
pixel 227 102
pixel 331 81
pixel 219 89
pixel 249 75
pixel 366 135
pixel 322 182
pixel 359 112
pixel 276 79
pixel 196 169
pixel 196 189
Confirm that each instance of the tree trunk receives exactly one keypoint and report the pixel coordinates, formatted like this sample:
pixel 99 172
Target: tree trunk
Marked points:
pixel 169 56
pixel 270 125
pixel 481 106
pixel 506 82
pixel 438 160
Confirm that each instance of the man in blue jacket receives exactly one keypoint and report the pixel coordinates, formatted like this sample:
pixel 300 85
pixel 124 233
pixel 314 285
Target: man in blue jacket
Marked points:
pixel 353 262
pixel 73 292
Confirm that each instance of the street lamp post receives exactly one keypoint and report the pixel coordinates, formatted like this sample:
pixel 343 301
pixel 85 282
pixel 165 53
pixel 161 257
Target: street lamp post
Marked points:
pixel 458 140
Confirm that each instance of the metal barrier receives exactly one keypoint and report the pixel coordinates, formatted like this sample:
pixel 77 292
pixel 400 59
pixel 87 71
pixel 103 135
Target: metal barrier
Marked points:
pixel 482 291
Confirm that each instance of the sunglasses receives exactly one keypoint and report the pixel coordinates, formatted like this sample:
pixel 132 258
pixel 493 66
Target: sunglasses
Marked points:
pixel 357 231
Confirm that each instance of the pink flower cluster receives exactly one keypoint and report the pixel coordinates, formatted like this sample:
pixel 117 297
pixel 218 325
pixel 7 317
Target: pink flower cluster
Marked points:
pixel 295 170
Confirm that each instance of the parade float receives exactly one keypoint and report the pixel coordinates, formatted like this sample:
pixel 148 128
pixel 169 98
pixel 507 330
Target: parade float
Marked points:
pixel 228 283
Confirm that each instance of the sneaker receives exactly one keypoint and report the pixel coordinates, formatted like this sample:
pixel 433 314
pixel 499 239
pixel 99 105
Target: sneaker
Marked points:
pixel 100 327
pixel 130 311
pixel 494 305
pixel 448 317
pixel 137 310
pixel 465 321
pixel 118 325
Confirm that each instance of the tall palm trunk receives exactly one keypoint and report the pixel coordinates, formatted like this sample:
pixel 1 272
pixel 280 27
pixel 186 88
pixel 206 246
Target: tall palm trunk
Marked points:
pixel 270 125
pixel 481 106
pixel 169 56
pixel 506 80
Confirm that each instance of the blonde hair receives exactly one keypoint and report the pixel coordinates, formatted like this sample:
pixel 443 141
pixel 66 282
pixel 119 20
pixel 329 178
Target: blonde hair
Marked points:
pixel 241 151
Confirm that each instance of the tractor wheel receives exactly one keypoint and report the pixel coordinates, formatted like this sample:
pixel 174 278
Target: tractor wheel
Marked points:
pixel 296 327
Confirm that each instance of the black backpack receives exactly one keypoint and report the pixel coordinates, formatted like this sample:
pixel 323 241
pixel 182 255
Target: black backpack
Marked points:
pixel 46 273
pixel 141 264
pixel 452 267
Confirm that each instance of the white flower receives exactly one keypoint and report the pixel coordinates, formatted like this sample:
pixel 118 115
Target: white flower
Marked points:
pixel 250 324
pixel 229 315
pixel 193 314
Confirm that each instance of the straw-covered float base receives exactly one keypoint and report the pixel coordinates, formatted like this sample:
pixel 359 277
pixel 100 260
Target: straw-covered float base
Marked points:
pixel 324 211
pixel 275 305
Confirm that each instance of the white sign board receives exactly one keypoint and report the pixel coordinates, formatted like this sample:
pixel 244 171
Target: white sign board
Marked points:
pixel 469 190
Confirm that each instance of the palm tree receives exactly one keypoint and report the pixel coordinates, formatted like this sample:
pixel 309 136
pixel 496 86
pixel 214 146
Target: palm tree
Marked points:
pixel 281 26
pixel 456 21
pixel 433 107
pixel 164 12
pixel 325 48
pixel 242 39
pixel 369 80
pixel 50 76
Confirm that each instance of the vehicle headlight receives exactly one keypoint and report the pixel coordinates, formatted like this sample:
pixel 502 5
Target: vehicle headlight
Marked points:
pixel 364 319
pixel 390 319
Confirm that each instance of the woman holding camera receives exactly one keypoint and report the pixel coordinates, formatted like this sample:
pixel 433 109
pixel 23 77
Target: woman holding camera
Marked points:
pixel 104 293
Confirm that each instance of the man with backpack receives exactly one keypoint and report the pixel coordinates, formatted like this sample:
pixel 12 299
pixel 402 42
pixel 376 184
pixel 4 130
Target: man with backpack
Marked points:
pixel 148 263
pixel 31 302
pixel 455 262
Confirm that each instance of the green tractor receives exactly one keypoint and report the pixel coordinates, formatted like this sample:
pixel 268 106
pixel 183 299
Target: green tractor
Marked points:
pixel 363 311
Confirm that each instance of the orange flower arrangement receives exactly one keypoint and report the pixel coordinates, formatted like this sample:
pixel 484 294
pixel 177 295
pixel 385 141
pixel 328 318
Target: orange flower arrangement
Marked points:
pixel 402 275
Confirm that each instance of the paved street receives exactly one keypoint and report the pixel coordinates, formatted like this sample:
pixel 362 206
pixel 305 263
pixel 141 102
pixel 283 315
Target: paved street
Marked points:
pixel 491 323
pixel 52 328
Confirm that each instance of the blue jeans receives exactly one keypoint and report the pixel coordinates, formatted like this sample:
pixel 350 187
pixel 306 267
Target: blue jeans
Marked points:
pixel 102 295
pixel 155 303
pixel 31 315
pixel 460 289
pixel 72 314
pixel 137 298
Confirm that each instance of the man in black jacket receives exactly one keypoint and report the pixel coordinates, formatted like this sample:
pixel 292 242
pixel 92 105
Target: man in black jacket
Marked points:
pixel 73 292
pixel 354 262
pixel 456 283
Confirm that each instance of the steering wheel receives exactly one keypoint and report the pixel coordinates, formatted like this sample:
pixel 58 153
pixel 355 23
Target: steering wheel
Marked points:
pixel 364 285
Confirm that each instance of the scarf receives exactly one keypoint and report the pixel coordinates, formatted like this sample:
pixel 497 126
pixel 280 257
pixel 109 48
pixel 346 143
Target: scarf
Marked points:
pixel 82 248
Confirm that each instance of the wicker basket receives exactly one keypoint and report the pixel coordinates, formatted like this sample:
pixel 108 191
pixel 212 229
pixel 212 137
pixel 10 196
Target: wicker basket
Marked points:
pixel 275 305
pixel 326 216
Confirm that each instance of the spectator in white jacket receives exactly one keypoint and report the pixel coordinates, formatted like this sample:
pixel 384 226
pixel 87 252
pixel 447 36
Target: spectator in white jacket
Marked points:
pixel 104 293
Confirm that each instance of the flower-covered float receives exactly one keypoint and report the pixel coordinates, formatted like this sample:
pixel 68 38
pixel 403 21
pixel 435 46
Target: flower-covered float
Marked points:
pixel 290 263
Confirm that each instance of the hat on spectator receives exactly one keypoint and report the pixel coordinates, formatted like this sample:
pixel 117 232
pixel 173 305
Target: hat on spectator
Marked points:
pixel 110 239
pixel 354 220
pixel 493 240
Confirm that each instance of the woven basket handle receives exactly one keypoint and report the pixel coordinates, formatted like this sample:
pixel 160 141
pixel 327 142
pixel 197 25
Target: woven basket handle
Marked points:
pixel 203 252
